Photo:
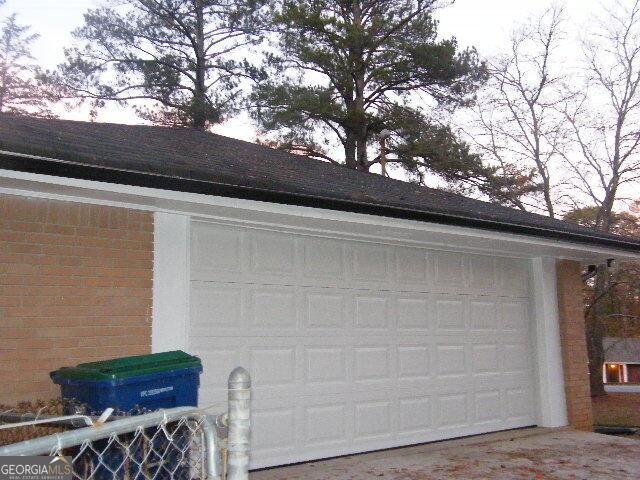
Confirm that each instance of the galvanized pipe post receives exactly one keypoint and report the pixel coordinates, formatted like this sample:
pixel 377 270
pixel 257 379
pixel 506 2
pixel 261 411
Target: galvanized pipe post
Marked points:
pixel 238 438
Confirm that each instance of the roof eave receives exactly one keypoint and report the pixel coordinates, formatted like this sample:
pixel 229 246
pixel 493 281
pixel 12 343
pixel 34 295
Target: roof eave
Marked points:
pixel 61 168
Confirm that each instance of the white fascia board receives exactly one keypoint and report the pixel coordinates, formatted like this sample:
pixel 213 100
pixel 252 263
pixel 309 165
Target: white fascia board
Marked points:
pixel 305 219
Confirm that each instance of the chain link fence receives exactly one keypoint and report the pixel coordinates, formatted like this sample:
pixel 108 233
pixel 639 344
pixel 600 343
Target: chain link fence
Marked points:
pixel 174 450
pixel 175 444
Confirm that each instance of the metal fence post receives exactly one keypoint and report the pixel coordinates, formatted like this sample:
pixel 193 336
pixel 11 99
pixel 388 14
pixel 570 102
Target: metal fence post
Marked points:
pixel 239 425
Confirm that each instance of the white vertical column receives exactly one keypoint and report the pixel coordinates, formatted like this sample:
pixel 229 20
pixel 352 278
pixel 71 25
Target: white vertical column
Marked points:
pixel 552 405
pixel 170 282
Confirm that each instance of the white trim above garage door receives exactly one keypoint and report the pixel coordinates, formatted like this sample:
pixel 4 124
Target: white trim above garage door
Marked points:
pixel 355 345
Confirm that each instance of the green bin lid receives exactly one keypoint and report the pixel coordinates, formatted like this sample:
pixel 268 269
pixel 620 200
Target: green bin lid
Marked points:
pixel 126 367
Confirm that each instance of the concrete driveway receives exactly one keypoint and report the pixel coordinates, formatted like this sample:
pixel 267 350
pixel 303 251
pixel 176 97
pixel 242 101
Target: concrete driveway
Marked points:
pixel 520 454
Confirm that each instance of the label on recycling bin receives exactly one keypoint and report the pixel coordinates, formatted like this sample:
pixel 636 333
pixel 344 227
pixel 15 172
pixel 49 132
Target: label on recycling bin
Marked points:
pixel 155 391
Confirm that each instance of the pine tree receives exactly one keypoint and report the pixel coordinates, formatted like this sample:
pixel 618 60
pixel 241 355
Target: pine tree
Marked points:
pixel 20 91
pixel 345 71
pixel 170 59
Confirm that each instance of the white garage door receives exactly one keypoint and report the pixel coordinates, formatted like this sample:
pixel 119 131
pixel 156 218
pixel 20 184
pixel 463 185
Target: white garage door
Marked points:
pixel 355 346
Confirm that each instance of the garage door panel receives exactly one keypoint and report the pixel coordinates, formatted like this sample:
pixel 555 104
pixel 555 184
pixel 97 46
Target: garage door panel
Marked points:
pixel 485 358
pixel 414 268
pixel 218 362
pixel 514 277
pixel 449 269
pixel 415 414
pixel 482 273
pixel 274 430
pixel 218 308
pixel 488 406
pixel 272 253
pixel 413 362
pixel 325 309
pixel 372 311
pixel 325 364
pixel 373 364
pixel 349 284
pixel 371 263
pixel 324 258
pixel 215 250
pixel 516 357
pixel 413 312
pixel 519 403
pixel 273 366
pixel 215 306
pixel 270 306
pixel 326 424
pixel 451 312
pixel 354 345
pixel 450 360
pixel 515 380
pixel 515 314
pixel 227 253
pixel 453 411
pixel 484 313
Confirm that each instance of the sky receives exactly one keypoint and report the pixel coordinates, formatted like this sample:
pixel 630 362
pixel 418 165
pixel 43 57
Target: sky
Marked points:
pixel 484 24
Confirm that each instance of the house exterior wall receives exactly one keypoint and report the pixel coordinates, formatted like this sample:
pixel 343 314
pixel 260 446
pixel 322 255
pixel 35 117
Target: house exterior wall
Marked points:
pixel 574 346
pixel 75 286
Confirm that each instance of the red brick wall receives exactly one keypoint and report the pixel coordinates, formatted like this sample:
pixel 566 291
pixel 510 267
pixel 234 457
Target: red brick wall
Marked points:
pixel 75 286
pixel 574 345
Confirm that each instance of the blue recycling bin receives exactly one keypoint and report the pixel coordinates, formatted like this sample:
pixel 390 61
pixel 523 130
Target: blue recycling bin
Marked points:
pixel 137 383
pixel 130 385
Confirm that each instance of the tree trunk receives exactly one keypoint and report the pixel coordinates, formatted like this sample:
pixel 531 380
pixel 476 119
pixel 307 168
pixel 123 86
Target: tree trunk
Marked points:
pixel 547 195
pixel 360 115
pixel 350 151
pixel 595 330
pixel 595 323
pixel 199 108
pixel 362 153
pixel 542 170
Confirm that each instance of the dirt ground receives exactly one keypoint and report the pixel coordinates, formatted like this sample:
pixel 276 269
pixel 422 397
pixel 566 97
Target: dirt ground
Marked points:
pixel 617 409
pixel 525 454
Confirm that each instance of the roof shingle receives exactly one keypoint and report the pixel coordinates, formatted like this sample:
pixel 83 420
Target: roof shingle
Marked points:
pixel 189 160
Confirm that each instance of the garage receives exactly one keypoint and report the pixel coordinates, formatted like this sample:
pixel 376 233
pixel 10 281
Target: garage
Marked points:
pixel 356 345
pixel 371 313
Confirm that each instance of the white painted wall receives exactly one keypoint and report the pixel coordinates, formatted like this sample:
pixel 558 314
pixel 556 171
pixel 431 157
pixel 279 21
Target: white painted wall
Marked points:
pixel 170 282
pixel 551 394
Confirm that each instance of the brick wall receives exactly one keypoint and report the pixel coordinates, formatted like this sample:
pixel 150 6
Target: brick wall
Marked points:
pixel 75 286
pixel 574 345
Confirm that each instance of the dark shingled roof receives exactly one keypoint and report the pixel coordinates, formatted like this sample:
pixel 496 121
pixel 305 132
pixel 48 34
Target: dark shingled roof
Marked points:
pixel 192 161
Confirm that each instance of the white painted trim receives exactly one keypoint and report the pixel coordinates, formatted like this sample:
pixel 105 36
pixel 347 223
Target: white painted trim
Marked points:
pixel 622 388
pixel 170 282
pixel 208 206
pixel 551 394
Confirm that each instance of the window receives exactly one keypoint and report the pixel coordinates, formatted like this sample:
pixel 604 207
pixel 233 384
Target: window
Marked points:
pixel 633 372
pixel 613 373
